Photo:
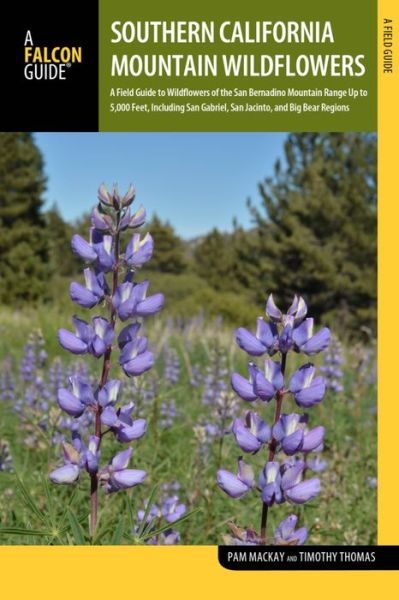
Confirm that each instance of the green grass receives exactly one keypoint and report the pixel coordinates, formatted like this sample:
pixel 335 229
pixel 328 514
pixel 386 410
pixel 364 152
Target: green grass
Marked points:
pixel 41 513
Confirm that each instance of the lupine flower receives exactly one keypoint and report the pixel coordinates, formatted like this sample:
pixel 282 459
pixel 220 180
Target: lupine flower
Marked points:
pixel 135 359
pixel 116 476
pixel 291 433
pixel 99 251
pixel 286 534
pixel 92 293
pixel 307 389
pixel 308 343
pixel 245 387
pixel 270 483
pixel 169 509
pixel 139 251
pixel 252 433
pixel 236 485
pixel 75 400
pixel 295 489
pixel 120 422
pixel 267 384
pixel 78 343
pixel 295 314
pixel 264 340
pixel 69 473
pixel 146 306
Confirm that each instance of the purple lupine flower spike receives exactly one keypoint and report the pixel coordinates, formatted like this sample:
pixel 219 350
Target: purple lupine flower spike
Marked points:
pixel 290 434
pixel 100 405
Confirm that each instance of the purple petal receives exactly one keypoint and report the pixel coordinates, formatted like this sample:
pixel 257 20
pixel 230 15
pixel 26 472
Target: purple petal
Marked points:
pixel 230 484
pixel 246 473
pixel 128 478
pixel 121 460
pixel 292 476
pixel 243 387
pixel 109 416
pixel 69 403
pixel 262 429
pixel 82 248
pixel 318 342
pixel 287 526
pixel 313 439
pixel 150 305
pixel 272 311
pixel 304 491
pixel 98 348
pixel 70 342
pixel 266 333
pixel 139 251
pixel 142 363
pixel 81 389
pixel 100 221
pixel 300 536
pixel 128 334
pixel 249 343
pixel 138 218
pixel 263 388
pixel 82 295
pixel 83 329
pixel 244 438
pixel 303 332
pixel 109 392
pixel 302 378
pixel 104 196
pixel 274 374
pixel 134 432
pixel 137 346
pixel 292 443
pixel 311 395
pixel 65 475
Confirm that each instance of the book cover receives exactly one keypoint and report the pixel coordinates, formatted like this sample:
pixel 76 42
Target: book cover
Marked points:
pixel 196 281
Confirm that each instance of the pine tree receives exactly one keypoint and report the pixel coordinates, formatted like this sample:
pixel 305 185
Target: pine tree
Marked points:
pixel 24 266
pixel 59 232
pixel 214 260
pixel 169 251
pixel 317 229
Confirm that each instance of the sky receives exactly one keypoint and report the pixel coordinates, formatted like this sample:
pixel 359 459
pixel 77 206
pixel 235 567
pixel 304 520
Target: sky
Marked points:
pixel 196 181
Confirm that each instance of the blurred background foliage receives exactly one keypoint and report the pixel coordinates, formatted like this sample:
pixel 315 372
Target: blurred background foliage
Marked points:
pixel 314 232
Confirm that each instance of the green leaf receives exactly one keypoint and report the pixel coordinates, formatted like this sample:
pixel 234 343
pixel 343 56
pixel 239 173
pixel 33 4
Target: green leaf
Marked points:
pixel 68 506
pixel 147 511
pixel 22 531
pixel 118 533
pixel 76 528
pixel 49 500
pixel 169 525
pixel 28 500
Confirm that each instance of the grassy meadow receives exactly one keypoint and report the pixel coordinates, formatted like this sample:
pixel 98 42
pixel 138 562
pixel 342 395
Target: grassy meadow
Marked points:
pixel 195 358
